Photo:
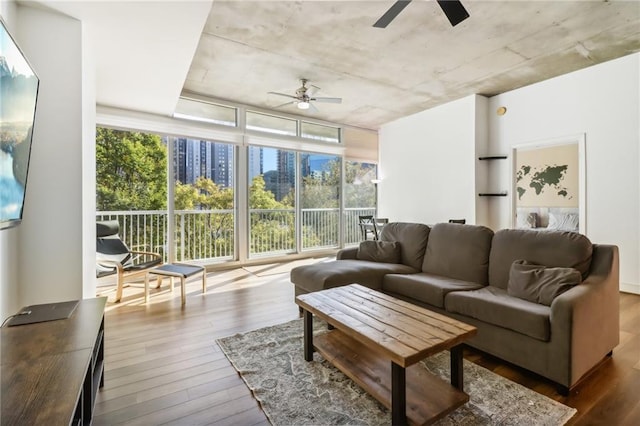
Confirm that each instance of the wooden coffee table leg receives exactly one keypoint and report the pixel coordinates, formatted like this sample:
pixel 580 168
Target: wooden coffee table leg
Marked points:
pixel 398 395
pixel 308 336
pixel 457 370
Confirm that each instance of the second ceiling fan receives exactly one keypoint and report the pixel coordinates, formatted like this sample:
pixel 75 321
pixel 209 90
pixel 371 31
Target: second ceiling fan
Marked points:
pixel 305 96
pixel 453 9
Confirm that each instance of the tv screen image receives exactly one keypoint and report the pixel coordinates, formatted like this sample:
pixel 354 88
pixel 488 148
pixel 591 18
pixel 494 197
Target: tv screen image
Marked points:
pixel 18 95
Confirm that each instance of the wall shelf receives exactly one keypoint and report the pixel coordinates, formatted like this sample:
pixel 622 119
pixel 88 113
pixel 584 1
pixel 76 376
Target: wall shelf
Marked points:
pixel 493 194
pixel 493 157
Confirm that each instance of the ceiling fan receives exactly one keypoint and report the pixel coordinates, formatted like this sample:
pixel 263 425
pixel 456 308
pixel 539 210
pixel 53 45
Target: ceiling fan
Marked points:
pixel 304 97
pixel 453 9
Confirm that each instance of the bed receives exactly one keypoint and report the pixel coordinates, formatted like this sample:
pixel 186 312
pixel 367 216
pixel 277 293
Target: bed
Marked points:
pixel 548 218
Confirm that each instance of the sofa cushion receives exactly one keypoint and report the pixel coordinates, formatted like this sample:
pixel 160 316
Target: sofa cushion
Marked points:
pixel 427 288
pixel 539 284
pixel 549 248
pixel 495 306
pixel 320 276
pixel 412 238
pixel 379 251
pixel 459 251
pixel 347 253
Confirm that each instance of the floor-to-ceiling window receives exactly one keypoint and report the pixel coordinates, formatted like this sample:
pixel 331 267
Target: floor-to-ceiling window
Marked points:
pixel 359 197
pixel 242 184
pixel 320 198
pixel 272 201
pixel 204 182
pixel 131 186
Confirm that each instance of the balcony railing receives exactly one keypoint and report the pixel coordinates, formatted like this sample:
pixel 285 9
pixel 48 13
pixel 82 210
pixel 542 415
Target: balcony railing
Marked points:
pixel 272 231
pixel 209 234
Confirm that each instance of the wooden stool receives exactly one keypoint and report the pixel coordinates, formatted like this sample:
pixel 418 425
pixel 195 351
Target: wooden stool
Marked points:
pixel 173 270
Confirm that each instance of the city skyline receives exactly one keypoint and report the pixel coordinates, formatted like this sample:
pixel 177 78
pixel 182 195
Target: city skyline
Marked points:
pixel 194 158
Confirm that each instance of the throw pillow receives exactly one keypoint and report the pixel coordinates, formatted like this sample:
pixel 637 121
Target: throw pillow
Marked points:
pixel 379 251
pixel 540 284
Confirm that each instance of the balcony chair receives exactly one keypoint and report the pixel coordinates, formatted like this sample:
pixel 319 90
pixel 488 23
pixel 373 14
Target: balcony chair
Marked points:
pixel 380 223
pixel 368 227
pixel 114 257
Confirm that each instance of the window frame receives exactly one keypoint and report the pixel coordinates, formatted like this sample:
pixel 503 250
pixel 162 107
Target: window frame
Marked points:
pixel 242 139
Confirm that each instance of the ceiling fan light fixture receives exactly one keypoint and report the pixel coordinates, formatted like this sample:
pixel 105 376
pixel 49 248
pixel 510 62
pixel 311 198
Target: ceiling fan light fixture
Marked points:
pixel 303 105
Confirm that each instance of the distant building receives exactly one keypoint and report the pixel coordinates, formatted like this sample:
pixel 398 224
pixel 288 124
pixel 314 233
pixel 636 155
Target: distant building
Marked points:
pixel 195 158
pixel 286 174
pixel 271 182
pixel 256 162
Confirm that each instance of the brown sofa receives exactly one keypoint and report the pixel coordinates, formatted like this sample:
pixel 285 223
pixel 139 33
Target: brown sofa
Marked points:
pixel 467 272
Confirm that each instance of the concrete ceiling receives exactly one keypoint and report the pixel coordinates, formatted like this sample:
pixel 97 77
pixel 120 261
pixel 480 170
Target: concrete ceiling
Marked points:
pixel 419 61
pixel 147 52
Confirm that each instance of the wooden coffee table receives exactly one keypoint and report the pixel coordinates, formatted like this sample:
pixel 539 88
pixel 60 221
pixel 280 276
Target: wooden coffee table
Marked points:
pixel 378 339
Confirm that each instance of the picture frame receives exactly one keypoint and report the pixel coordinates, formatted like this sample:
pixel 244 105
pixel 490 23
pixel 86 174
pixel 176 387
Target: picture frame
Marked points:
pixel 548 184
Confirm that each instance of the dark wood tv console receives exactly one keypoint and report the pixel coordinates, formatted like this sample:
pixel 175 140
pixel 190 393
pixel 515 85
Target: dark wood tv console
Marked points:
pixel 51 371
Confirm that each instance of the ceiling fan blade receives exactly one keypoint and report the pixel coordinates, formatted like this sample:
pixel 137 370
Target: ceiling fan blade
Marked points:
pixel 454 10
pixel 282 94
pixel 313 108
pixel 391 14
pixel 331 100
pixel 313 89
pixel 286 103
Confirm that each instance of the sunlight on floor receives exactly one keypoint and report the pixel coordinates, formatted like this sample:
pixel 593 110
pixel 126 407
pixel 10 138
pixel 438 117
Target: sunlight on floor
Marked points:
pixel 217 282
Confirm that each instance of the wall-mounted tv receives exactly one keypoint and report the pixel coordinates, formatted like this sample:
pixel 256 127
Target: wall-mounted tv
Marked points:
pixel 18 95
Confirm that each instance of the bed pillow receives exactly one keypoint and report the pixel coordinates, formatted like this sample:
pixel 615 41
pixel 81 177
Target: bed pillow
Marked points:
pixel 540 284
pixel 563 221
pixel 526 220
pixel 379 251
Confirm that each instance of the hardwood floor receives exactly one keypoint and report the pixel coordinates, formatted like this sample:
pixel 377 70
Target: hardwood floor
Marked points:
pixel 164 367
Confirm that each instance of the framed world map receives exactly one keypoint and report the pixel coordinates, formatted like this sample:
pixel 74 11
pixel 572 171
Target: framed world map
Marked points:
pixel 547 177
pixel 548 183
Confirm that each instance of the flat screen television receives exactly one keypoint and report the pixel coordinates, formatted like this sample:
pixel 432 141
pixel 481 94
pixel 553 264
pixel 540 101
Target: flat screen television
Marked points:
pixel 18 95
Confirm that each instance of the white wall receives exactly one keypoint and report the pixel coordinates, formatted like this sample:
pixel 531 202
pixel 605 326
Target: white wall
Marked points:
pixel 50 236
pixel 428 168
pixel 427 164
pixel 603 102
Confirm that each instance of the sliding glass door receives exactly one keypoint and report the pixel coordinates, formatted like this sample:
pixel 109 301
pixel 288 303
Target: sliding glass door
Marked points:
pixel 359 197
pixel 320 199
pixel 131 186
pixel 272 205
pixel 204 211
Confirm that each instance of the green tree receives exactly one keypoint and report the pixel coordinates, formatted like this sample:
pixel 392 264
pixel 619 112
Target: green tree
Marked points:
pixel 260 198
pixel 359 191
pixel 211 196
pixel 272 230
pixel 131 171
pixel 185 196
pixel 206 233
pixel 321 189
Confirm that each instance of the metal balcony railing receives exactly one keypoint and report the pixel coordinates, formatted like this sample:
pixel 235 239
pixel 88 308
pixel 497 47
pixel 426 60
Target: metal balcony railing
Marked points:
pixel 210 234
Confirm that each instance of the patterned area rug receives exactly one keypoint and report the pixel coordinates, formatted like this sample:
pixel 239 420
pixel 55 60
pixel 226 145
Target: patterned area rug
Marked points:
pixel 292 391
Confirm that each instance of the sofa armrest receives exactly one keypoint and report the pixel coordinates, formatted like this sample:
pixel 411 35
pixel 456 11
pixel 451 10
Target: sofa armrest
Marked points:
pixel 586 319
pixel 347 253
